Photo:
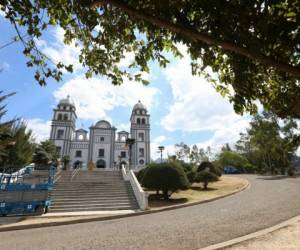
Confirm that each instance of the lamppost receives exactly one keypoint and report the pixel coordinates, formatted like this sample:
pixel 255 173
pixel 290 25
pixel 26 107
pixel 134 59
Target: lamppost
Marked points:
pixel 161 148
pixel 119 157
pixel 129 143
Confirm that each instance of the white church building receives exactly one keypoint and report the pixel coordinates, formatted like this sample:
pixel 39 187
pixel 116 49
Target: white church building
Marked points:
pixel 101 145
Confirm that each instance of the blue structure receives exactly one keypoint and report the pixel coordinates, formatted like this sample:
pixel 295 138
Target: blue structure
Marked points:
pixel 26 193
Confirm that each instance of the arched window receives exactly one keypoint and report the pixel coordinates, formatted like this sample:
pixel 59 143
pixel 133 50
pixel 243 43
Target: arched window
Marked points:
pixel 59 117
pixel 65 117
pixel 143 121
pixel 138 121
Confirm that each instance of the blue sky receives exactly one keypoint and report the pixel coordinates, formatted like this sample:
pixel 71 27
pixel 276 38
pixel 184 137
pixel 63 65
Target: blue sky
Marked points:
pixel 183 108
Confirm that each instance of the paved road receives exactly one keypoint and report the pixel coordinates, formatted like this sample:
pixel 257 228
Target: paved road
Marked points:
pixel 266 203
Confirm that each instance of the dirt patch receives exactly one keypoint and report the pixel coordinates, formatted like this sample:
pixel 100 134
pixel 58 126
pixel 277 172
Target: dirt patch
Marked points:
pixel 226 185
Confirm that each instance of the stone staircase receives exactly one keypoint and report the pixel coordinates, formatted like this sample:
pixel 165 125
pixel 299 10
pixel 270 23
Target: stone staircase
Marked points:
pixel 96 190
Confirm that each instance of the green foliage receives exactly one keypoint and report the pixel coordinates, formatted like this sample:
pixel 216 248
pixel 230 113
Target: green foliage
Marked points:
pixel 5 129
pixel 191 175
pixel 45 155
pixel 140 174
pixel 254 64
pixel 270 144
pixel 167 177
pixel 20 152
pixel 192 154
pixel 65 161
pixel 231 158
pixel 291 171
pixel 210 167
pixel 206 177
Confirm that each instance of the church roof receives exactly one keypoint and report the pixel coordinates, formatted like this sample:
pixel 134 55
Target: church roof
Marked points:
pixel 102 124
pixel 139 105
pixel 66 101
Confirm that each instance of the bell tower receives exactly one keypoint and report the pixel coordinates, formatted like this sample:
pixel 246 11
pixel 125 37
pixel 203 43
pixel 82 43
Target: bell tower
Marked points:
pixel 140 131
pixel 63 126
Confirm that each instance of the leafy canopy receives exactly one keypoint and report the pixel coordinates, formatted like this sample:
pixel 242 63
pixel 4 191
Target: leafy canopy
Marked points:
pixel 270 144
pixel 252 46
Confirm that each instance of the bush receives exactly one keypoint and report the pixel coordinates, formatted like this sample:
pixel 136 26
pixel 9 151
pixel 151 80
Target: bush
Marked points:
pixel 291 171
pixel 140 174
pixel 210 167
pixel 249 168
pixel 191 176
pixel 187 167
pixel 166 176
pixel 206 177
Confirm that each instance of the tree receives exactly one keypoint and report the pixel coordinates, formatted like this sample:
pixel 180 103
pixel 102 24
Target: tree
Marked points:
pixel 194 155
pixel 206 177
pixel 66 161
pixel 270 144
pixel 6 139
pixel 230 39
pixel 45 154
pixel 210 167
pixel 167 177
pixel 20 152
pixel 231 158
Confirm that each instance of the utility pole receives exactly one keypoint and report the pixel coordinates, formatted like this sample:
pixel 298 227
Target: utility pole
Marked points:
pixel 161 148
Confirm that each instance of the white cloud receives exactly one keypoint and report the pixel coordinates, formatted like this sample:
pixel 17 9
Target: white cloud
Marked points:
pixel 4 66
pixel 123 127
pixel 96 96
pixel 2 13
pixel 59 52
pixel 158 141
pixel 40 128
pixel 198 107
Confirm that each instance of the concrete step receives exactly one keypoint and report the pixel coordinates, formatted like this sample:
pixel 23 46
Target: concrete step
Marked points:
pixel 111 208
pixel 68 200
pixel 103 203
pixel 91 195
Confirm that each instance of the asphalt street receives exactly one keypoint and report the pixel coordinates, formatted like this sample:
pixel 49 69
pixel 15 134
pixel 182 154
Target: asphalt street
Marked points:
pixel 267 202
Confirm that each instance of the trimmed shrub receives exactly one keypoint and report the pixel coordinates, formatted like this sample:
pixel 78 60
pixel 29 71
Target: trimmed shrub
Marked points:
pixel 140 174
pixel 205 165
pixel 191 176
pixel 206 177
pixel 210 167
pixel 291 171
pixel 166 176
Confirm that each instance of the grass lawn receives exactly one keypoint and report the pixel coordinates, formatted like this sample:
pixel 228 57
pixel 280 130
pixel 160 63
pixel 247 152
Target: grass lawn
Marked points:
pixel 226 185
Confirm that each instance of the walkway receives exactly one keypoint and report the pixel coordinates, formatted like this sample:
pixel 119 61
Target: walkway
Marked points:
pixel 268 202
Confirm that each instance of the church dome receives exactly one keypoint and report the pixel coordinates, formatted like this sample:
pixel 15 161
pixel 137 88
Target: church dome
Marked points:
pixel 103 124
pixel 66 101
pixel 139 105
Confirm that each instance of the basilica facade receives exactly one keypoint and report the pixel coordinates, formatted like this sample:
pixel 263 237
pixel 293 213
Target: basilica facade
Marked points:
pixel 102 144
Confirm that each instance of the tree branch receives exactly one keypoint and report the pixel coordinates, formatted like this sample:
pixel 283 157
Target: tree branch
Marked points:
pixel 200 36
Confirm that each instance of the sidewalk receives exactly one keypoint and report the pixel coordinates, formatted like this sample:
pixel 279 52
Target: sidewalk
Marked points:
pixel 56 218
pixel 287 238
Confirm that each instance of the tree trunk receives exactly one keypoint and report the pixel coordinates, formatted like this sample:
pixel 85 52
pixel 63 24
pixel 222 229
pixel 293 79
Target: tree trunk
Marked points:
pixel 205 184
pixel 165 194
pixel 194 35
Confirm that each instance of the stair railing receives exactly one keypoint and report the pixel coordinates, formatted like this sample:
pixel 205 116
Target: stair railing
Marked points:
pixel 74 172
pixel 57 176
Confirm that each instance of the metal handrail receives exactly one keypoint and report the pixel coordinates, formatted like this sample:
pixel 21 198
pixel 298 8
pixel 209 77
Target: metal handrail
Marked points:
pixel 75 171
pixel 57 175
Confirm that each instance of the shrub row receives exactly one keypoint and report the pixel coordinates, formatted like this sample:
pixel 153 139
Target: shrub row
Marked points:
pixel 169 177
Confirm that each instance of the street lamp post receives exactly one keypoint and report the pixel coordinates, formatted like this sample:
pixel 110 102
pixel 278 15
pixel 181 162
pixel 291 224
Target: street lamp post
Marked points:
pixel 119 157
pixel 161 148
pixel 129 143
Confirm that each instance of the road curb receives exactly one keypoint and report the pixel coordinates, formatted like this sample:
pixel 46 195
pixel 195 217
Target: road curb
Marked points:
pixel 252 236
pixel 112 217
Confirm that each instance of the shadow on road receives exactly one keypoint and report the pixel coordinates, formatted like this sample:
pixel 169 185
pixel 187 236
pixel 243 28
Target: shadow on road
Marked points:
pixel 277 177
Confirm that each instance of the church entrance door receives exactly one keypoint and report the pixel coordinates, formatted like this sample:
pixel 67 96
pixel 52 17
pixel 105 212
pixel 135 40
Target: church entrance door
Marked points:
pixel 100 164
